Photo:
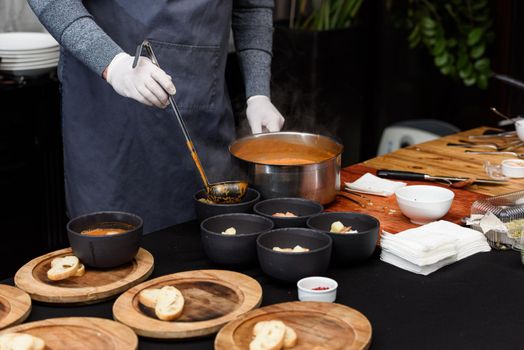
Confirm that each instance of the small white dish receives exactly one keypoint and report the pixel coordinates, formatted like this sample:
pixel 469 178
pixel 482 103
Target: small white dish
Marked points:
pixel 513 168
pixel 306 289
pixel 519 127
pixel 423 204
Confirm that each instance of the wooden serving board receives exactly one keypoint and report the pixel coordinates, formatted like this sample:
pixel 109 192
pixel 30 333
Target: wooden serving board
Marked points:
pixel 319 326
pixel 386 210
pixel 212 298
pixel 95 286
pixel 80 333
pixel 15 306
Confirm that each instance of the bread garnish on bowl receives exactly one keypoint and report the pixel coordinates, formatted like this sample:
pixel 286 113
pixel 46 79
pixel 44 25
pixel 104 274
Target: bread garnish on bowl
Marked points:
pixel 167 301
pixel 20 341
pixel 287 214
pixel 295 249
pixel 338 227
pixel 231 231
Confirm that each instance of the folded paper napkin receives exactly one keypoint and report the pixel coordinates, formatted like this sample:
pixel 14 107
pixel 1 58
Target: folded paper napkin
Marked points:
pixel 371 184
pixel 409 266
pixel 427 248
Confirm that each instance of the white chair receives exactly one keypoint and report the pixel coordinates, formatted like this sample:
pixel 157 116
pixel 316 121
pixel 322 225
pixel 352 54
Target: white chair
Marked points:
pixel 411 132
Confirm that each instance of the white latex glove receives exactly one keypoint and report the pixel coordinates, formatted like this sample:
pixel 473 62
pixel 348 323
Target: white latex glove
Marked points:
pixel 262 113
pixel 146 83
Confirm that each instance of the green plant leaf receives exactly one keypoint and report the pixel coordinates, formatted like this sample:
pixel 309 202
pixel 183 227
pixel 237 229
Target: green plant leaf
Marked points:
pixel 441 60
pixel 462 60
pixel 482 64
pixel 430 41
pixel 337 8
pixel 478 4
pixel 414 33
pixel 429 32
pixel 428 23
pixel 467 72
pixel 355 8
pixel 474 36
pixel 452 42
pixel 439 47
pixel 446 70
pixel 482 17
pixel 470 81
pixel 413 43
pixel 482 81
pixel 478 51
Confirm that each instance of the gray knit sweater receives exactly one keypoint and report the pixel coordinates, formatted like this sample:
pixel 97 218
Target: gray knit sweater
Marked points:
pixel 76 30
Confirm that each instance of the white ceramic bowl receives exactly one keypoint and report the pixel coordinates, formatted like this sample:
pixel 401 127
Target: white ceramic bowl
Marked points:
pixel 513 168
pixel 423 204
pixel 519 127
pixel 306 290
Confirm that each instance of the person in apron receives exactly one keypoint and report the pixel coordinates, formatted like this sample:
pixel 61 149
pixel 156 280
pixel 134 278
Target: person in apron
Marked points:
pixel 125 153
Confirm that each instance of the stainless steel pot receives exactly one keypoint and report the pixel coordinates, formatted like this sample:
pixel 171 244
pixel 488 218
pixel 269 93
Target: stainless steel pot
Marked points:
pixel 318 181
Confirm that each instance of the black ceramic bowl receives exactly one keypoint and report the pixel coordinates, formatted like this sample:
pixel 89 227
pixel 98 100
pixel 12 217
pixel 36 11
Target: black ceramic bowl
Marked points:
pixel 105 251
pixel 291 267
pixel 207 210
pixel 303 208
pixel 349 247
pixel 233 249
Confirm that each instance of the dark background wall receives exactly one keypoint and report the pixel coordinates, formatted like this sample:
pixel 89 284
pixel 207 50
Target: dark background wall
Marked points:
pixel 31 171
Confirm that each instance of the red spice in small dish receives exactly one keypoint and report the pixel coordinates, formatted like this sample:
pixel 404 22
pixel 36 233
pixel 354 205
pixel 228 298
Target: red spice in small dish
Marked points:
pixel 320 288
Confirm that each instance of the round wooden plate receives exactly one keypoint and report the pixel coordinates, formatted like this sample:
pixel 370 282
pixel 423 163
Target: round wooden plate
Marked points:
pixel 212 298
pixel 94 286
pixel 15 306
pixel 319 326
pixel 86 333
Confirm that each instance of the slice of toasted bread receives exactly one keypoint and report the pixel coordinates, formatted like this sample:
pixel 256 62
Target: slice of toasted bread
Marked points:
pixel 5 340
pixel 269 335
pixel 170 304
pixel 38 343
pixel 20 341
pixel 167 301
pixel 149 297
pixel 290 338
pixel 62 268
pixel 81 271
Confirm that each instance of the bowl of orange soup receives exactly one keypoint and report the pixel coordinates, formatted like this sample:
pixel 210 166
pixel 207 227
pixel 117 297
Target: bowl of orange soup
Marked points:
pixel 291 164
pixel 105 239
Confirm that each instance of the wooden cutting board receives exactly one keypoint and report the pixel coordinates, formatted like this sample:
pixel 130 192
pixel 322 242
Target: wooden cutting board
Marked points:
pixel 80 333
pixel 436 158
pixel 15 306
pixel 319 326
pixel 386 210
pixel 95 286
pixel 212 298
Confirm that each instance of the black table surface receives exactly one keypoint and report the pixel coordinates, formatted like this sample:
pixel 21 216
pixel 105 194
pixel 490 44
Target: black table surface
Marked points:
pixel 477 303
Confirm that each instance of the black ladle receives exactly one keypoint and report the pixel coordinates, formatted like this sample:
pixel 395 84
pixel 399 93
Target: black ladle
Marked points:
pixel 220 192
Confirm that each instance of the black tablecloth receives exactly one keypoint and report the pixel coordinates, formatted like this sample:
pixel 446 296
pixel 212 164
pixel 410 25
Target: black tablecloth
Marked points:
pixel 477 303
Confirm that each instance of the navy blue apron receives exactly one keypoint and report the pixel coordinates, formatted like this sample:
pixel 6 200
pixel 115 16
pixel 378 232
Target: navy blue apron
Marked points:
pixel 122 155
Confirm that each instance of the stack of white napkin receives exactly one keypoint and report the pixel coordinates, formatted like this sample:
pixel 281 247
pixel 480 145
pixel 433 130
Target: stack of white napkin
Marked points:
pixel 371 184
pixel 427 248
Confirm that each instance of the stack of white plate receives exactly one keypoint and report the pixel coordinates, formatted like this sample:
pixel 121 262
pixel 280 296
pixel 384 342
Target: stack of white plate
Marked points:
pixel 25 53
